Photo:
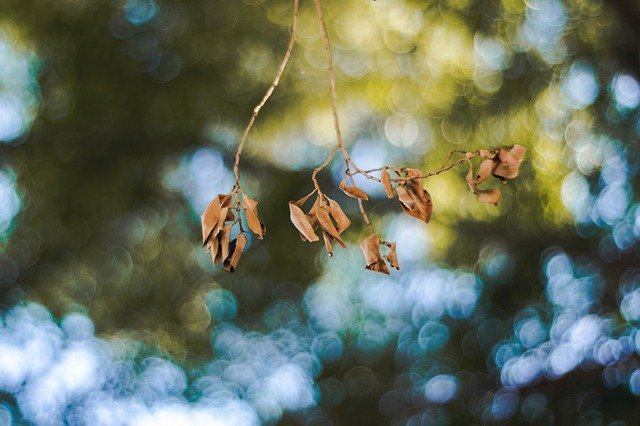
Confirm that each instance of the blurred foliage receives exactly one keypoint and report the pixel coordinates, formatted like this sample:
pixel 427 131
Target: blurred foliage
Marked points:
pixel 118 122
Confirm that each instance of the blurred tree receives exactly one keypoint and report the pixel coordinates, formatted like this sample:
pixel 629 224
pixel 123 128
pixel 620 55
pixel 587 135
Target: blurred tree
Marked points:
pixel 137 106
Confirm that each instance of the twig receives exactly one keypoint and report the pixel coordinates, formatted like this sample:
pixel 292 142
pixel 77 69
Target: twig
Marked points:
pixel 265 98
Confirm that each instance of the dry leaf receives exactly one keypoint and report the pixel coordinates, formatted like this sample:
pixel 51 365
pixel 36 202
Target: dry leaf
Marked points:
pixel 236 248
pixel 370 247
pixel 342 221
pixel 470 180
pixel 489 196
pixel 223 251
pixel 486 154
pixel 250 207
pixel 328 242
pixel 386 182
pixel 324 219
pixel 392 256
pixel 353 191
pixel 210 218
pixel 509 162
pixel 304 199
pixel 301 222
pixel 484 171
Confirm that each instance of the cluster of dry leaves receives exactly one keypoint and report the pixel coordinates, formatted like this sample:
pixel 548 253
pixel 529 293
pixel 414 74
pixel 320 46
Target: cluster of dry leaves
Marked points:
pixel 326 215
pixel 218 220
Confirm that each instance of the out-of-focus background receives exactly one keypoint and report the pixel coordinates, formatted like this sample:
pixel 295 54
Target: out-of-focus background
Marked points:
pixel 118 123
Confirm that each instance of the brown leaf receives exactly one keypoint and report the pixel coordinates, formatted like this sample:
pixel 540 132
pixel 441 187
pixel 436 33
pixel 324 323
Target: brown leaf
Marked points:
pixel 489 196
pixel 469 178
pixel 324 219
pixel 509 162
pixel 236 248
pixel 484 171
pixel 486 154
pixel 353 191
pixel 250 207
pixel 303 200
pixel 408 202
pixel 301 222
pixel 210 218
pixel 370 247
pixel 422 205
pixel 518 152
pixel 386 182
pixel 342 221
pixel 223 251
pixel 328 242
pixel 392 257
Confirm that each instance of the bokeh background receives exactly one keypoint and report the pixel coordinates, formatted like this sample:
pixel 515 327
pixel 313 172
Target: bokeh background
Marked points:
pixel 118 123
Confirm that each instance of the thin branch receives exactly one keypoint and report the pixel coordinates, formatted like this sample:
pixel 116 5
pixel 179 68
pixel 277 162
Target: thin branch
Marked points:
pixel 274 84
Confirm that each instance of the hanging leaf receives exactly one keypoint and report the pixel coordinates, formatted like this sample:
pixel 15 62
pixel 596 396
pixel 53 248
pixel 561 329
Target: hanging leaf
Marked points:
pixel 486 154
pixel 489 196
pixel 301 222
pixel 342 221
pixel 470 180
pixel 484 170
pixel 386 182
pixel 236 248
pixel 223 252
pixel 328 242
pixel 210 218
pixel 370 247
pixel 509 163
pixel 304 199
pixel 250 207
pixel 324 219
pixel 353 191
pixel 392 257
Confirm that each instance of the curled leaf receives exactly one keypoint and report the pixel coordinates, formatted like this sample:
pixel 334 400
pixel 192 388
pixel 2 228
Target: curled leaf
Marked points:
pixel 250 207
pixel 342 221
pixel 509 162
pixel 370 247
pixel 469 178
pixel 211 217
pixel 484 171
pixel 386 182
pixel 301 222
pixel 235 248
pixel 324 219
pixel 486 154
pixel 489 196
pixel 392 256
pixel 353 191
pixel 328 242
pixel 223 251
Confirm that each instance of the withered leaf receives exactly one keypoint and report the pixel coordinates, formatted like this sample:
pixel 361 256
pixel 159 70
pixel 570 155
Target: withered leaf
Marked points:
pixel 392 256
pixel 470 180
pixel 304 199
pixel 370 247
pixel 489 196
pixel 301 222
pixel 509 162
pixel 386 182
pixel 486 154
pixel 353 191
pixel 210 218
pixel 324 219
pixel 342 221
pixel 236 248
pixel 223 251
pixel 328 242
pixel 484 171
pixel 250 207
